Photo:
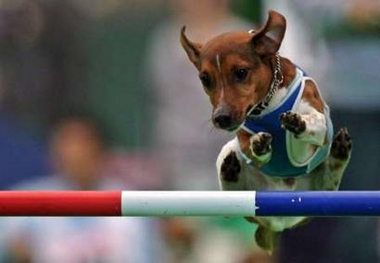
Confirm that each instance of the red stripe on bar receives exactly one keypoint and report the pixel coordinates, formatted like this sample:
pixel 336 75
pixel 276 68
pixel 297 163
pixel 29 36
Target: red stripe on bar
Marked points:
pixel 60 203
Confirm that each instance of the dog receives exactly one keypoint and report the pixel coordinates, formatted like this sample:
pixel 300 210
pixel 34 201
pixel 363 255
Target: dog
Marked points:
pixel 284 134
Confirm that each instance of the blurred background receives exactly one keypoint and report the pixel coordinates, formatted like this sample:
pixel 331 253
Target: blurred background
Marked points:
pixel 99 95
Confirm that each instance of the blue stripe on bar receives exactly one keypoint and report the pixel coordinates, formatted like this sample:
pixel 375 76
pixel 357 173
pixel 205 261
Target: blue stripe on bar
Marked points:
pixel 318 203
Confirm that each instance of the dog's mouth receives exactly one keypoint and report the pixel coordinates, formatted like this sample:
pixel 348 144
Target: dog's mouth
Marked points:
pixel 236 124
pixel 233 128
pixel 229 126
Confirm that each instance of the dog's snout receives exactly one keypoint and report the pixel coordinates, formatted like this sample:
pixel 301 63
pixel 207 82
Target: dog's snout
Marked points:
pixel 223 121
pixel 222 118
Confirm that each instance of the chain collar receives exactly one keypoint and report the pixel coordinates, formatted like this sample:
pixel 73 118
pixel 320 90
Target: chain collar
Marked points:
pixel 278 78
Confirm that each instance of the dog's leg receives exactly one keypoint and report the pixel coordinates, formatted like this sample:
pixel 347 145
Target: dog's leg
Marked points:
pixel 261 149
pixel 231 177
pixel 256 147
pixel 266 238
pixel 307 121
pixel 327 176
pixel 310 127
pixel 229 167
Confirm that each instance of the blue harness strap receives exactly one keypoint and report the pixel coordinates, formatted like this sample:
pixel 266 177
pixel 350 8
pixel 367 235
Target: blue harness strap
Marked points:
pixel 279 164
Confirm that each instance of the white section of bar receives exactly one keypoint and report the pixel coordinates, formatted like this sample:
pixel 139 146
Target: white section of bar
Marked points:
pixel 188 203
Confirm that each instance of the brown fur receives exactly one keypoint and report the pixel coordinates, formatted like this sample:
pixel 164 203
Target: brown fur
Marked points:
pixel 221 63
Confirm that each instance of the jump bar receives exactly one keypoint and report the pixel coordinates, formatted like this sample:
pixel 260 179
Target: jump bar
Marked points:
pixel 189 203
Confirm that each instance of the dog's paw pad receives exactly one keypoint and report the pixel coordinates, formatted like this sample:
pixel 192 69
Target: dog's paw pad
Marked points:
pixel 292 122
pixel 230 168
pixel 341 145
pixel 261 143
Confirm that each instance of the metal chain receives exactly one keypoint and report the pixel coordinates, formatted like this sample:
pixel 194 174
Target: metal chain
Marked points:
pixel 277 74
pixel 278 78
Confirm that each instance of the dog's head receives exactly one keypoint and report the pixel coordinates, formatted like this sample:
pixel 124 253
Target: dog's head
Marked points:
pixel 236 69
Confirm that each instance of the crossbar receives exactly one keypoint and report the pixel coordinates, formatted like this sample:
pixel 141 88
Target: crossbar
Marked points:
pixel 189 203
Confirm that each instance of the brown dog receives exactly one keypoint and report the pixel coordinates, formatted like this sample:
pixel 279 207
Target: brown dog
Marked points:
pixel 284 133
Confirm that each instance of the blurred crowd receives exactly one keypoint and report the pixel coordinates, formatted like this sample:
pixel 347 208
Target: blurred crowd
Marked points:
pixel 99 95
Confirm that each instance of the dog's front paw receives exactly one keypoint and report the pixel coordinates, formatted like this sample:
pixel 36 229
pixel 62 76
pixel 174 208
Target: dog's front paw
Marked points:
pixel 341 145
pixel 230 168
pixel 292 122
pixel 261 143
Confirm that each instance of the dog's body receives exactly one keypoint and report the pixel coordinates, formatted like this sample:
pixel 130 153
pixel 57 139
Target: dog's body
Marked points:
pixel 284 133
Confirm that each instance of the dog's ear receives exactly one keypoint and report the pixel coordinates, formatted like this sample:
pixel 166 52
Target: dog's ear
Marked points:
pixel 267 40
pixel 192 49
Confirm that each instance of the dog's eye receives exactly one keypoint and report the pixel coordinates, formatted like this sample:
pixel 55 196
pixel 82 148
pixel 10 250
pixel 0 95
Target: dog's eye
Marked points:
pixel 205 79
pixel 240 74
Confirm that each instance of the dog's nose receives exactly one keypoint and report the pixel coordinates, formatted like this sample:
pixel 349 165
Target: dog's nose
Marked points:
pixel 223 121
pixel 222 118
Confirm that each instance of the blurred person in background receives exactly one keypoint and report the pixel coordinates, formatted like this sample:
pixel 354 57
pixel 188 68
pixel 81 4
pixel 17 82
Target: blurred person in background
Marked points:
pixel 38 51
pixel 49 56
pixel 78 152
pixel 61 54
pixel 42 61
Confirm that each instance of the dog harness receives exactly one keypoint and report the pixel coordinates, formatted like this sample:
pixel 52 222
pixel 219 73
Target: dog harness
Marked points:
pixel 281 163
